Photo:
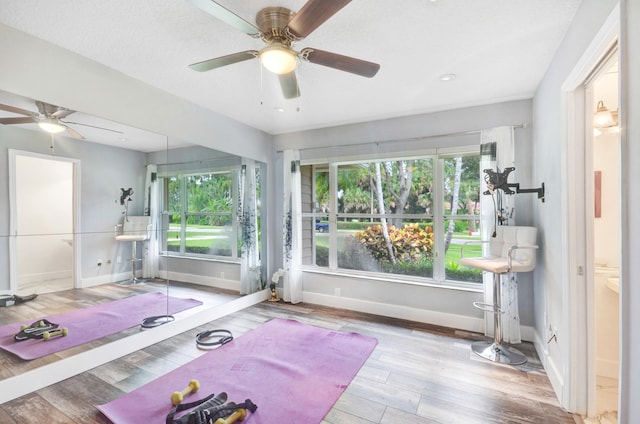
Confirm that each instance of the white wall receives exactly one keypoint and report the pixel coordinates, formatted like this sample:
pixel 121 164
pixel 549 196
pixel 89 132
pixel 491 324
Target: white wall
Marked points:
pixel 630 271
pixel 606 159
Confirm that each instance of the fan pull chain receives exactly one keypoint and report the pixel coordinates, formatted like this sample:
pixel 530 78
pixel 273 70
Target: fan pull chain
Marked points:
pixel 52 146
pixel 261 84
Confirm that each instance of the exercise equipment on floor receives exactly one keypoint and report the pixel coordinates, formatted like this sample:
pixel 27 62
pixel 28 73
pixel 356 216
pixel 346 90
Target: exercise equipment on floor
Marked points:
pixel 42 329
pixel 211 338
pixel 177 397
pixel 213 409
pixel 10 300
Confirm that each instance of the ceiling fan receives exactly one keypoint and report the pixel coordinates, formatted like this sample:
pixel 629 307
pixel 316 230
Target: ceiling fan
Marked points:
pixel 280 28
pixel 49 117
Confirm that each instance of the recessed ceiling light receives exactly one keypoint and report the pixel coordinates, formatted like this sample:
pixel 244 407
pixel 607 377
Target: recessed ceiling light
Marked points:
pixel 278 109
pixel 447 77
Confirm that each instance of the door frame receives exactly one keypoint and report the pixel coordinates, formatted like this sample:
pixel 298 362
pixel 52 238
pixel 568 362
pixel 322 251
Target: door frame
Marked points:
pixel 13 218
pixel 578 393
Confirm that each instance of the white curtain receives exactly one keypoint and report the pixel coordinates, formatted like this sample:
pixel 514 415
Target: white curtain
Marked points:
pixel 250 275
pixel 498 153
pixel 292 228
pixel 151 255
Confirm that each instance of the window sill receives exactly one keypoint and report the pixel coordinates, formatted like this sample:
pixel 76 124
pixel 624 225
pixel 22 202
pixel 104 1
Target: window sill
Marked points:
pixel 407 280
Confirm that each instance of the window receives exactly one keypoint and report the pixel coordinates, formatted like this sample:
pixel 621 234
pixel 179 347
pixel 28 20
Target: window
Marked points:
pixel 200 213
pixel 402 216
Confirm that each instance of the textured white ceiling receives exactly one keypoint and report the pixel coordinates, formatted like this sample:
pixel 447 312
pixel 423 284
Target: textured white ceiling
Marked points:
pixel 499 50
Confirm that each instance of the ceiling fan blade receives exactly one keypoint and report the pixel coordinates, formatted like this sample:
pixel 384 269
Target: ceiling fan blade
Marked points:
pixel 226 16
pixel 313 14
pixel 289 85
pixel 62 113
pixel 17 110
pixel 219 62
pixel 19 120
pixel 92 126
pixel 73 133
pixel 338 61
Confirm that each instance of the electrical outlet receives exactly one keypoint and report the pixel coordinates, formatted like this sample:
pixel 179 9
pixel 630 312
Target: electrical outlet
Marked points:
pixel 119 260
pixel 222 275
pixel 108 261
pixel 99 262
pixel 337 292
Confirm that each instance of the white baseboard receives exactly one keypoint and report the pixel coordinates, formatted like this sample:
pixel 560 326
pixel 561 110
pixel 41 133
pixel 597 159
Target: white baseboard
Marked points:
pixel 555 377
pixel 443 319
pixel 104 279
pixel 397 311
pixel 175 276
pixel 44 276
pixel 203 280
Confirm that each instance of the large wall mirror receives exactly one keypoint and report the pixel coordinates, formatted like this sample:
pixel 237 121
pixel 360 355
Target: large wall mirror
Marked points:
pixel 66 199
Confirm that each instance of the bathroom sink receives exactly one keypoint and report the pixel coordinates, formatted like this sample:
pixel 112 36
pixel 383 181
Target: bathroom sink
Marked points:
pixel 614 284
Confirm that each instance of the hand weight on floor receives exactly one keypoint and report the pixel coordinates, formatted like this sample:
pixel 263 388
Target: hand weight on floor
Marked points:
pixel 177 397
pixel 48 334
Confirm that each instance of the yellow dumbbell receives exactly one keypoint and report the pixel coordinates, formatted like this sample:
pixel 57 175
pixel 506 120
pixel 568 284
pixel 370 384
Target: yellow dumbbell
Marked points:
pixel 238 415
pixel 177 397
pixel 24 326
pixel 60 332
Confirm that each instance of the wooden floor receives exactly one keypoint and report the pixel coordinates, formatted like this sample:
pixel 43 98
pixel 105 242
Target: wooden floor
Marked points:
pixel 53 303
pixel 417 374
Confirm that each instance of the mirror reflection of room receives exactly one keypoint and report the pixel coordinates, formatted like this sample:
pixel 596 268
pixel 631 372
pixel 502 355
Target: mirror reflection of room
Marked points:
pixel 108 213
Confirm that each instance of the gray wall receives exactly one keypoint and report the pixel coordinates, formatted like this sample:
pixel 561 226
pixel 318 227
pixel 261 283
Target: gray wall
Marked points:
pixel 104 170
pixel 86 86
pixel 419 302
pixel 551 291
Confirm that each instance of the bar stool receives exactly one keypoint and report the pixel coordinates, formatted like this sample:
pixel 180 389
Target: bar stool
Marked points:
pixel 134 229
pixel 511 250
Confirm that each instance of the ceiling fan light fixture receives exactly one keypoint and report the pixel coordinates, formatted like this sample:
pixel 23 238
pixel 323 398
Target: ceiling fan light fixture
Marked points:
pixel 51 126
pixel 278 59
pixel 603 118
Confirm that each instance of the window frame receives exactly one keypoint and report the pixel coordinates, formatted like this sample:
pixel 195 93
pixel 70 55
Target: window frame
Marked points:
pixel 437 216
pixel 184 213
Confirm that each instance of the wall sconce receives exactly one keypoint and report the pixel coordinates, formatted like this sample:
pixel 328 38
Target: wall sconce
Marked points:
pixel 603 118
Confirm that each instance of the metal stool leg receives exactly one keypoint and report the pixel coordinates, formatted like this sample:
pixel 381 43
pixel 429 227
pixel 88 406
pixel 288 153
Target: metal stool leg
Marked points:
pixel 133 260
pixel 497 351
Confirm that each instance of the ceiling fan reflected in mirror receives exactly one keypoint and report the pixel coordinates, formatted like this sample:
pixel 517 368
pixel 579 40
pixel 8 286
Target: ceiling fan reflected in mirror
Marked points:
pixel 280 28
pixel 49 117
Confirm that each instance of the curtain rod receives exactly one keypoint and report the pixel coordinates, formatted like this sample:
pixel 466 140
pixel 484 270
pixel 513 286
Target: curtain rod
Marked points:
pixel 452 134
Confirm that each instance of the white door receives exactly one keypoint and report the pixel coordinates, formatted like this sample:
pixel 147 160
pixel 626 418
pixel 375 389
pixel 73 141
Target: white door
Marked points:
pixel 42 209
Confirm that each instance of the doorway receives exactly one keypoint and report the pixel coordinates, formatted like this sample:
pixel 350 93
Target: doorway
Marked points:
pixel 42 222
pixel 581 354
pixel 603 168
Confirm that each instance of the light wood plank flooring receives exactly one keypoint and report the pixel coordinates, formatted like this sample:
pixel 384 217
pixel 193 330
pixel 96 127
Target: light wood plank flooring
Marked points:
pixel 53 303
pixel 417 374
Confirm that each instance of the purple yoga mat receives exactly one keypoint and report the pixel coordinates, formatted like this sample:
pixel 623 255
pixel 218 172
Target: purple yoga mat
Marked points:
pixel 92 323
pixel 293 372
